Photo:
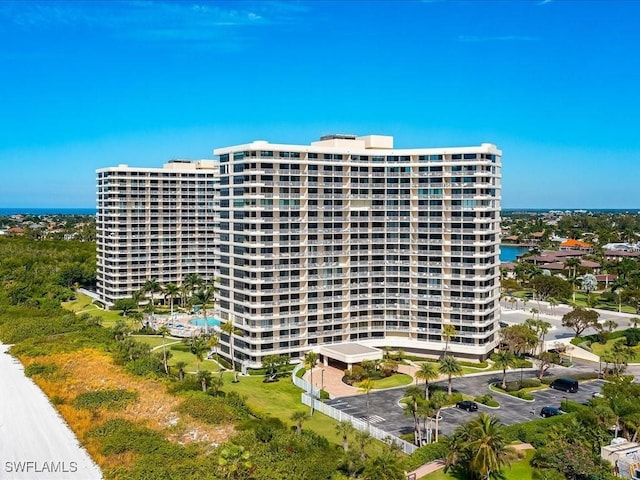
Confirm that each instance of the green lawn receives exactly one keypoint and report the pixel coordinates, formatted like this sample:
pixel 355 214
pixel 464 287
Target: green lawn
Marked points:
pixel 395 380
pixel 599 349
pixel 281 399
pixel 83 304
pixel 520 470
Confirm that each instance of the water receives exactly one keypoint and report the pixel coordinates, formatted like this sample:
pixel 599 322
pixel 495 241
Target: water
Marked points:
pixel 211 322
pixel 46 211
pixel 509 253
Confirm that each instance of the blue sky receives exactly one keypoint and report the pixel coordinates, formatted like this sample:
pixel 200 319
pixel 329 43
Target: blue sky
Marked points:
pixel 92 84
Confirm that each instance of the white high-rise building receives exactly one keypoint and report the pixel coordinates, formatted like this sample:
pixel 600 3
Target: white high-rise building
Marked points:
pixel 350 240
pixel 154 224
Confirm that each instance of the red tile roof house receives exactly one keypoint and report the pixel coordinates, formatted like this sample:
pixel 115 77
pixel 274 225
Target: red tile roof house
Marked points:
pixel 619 254
pixel 572 244
pixel 606 279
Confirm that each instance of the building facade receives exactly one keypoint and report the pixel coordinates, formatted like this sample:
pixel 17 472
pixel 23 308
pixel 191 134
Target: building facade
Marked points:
pixel 350 240
pixel 154 224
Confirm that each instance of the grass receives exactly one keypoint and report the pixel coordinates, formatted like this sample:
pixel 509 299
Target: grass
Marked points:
pixel 599 349
pixel 281 399
pixel 176 355
pixel 82 304
pixel 395 380
pixel 519 470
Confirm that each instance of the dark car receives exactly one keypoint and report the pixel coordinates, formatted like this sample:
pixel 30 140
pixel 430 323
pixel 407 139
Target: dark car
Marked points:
pixel 467 405
pixel 565 384
pixel 550 412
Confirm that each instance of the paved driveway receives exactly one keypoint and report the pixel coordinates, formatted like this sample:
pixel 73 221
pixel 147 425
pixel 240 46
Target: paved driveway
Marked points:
pixel 385 411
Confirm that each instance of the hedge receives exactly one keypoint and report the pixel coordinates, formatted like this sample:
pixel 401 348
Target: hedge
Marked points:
pixel 537 431
pixel 576 376
pixel 427 453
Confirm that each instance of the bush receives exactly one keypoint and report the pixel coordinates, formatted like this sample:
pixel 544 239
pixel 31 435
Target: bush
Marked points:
pixel 214 410
pixel 109 399
pixel 575 376
pixel 427 453
pixel 531 382
pixel 40 369
pixel 537 431
pixel 632 337
pixel 487 400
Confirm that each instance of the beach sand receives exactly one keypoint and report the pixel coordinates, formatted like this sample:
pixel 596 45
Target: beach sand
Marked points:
pixel 35 442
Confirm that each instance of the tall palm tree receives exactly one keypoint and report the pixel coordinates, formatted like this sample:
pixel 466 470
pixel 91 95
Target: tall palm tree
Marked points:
pixel 164 331
pixel 489 446
pixel 230 330
pixel 414 397
pixel 344 429
pixel 427 372
pixel 365 387
pixel 310 360
pixel 152 287
pixel 171 291
pixel 180 366
pixel 504 359
pixel 437 401
pixel 214 343
pixel 450 367
pixel 448 331
pixel 192 281
pixel 202 297
pixel 199 348
pixel 572 265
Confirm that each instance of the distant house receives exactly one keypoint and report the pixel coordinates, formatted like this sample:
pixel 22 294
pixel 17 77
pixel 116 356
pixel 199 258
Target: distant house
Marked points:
pixel 510 239
pixel 15 231
pixel 606 279
pixel 535 237
pixel 619 254
pixel 572 244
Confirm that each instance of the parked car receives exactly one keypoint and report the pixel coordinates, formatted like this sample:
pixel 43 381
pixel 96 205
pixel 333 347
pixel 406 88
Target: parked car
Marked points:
pixel 565 384
pixel 467 405
pixel 550 411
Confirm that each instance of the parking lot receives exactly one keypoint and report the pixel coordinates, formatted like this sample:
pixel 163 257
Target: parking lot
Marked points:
pixel 386 412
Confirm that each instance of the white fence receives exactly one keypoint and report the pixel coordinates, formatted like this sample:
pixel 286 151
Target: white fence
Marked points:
pixel 340 416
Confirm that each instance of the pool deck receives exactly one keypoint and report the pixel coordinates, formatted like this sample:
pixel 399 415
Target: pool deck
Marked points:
pixel 179 324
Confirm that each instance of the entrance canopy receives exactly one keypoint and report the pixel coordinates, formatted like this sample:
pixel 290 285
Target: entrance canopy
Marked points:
pixel 350 353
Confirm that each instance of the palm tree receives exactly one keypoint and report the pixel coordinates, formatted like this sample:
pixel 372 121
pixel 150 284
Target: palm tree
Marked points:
pixel 204 376
pixel 365 387
pixel 363 439
pixel 635 321
pixel 427 372
pixel 383 467
pixel 610 325
pixel 202 297
pixel 299 416
pixel 152 286
pixel 450 367
pixel 438 400
pixel 229 329
pixel 343 429
pixel 504 359
pixel 414 395
pixel 171 291
pixel 572 265
pixel 214 343
pixel 310 360
pixel 164 331
pixel 448 331
pixel 489 446
pixel 199 348
pixel 180 366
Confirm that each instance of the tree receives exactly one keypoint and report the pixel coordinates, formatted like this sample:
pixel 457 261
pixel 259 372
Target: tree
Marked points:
pixel 164 331
pixel 546 287
pixel 438 400
pixel 299 416
pixel 450 367
pixel 125 305
pixel 519 338
pixel 344 429
pixel 504 359
pixel 414 396
pixel 310 360
pixel 610 325
pixel 479 449
pixel 448 331
pixel 589 283
pixel 202 297
pixel 572 265
pixel 541 328
pixel 180 366
pixel 214 343
pixel 120 330
pixel 199 348
pixel 385 466
pixel 365 387
pixel 152 286
pixel 230 330
pixel 271 364
pixel 545 360
pixel 363 439
pixel 204 377
pixel 171 291
pixel 427 372
pixel 579 319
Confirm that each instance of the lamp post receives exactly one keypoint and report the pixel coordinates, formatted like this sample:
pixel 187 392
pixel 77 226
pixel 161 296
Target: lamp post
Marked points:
pixel 321 380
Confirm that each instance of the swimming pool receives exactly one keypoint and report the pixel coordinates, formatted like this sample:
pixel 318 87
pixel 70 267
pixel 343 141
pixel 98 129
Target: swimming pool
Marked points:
pixel 199 322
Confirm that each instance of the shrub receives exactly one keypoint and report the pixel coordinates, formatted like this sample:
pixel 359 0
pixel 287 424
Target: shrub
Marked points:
pixel 576 376
pixel 425 454
pixel 109 399
pixel 207 409
pixel 530 382
pixel 487 400
pixel 632 337
pixel 537 431
pixel 40 369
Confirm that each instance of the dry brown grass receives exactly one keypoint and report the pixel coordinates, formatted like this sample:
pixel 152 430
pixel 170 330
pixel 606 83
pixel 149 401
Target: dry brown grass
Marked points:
pixel 89 370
